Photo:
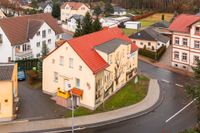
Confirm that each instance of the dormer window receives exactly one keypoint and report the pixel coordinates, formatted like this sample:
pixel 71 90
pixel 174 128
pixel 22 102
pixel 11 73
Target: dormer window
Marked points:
pixel 197 31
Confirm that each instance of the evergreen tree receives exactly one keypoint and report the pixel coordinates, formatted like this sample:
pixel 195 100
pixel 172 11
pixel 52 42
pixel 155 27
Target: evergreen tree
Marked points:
pixel 45 50
pixel 56 10
pixel 96 25
pixel 108 8
pixel 87 24
pixel 97 11
pixel 78 31
pixel 194 89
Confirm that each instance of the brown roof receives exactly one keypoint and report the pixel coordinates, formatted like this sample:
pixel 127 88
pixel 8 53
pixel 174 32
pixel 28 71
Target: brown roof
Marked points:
pixel 6 71
pixel 18 29
pixel 33 27
pixel 73 5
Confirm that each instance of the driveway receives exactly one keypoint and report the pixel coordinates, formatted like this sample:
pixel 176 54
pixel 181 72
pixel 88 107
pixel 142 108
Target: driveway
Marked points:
pixel 166 58
pixel 34 104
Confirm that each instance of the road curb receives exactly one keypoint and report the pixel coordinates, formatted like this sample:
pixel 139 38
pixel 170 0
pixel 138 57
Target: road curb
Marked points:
pixel 99 124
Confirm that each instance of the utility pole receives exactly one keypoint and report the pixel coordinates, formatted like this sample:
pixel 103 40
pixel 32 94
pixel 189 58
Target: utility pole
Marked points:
pixel 72 98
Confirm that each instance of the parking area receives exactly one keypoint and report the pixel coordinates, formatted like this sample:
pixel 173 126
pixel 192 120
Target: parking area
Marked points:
pixel 34 104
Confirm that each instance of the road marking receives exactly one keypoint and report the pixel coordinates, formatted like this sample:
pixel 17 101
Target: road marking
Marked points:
pixel 180 111
pixel 66 130
pixel 179 85
pixel 165 80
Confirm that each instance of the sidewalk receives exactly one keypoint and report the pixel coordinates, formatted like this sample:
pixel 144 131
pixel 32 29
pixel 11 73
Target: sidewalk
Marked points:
pixel 170 68
pixel 143 107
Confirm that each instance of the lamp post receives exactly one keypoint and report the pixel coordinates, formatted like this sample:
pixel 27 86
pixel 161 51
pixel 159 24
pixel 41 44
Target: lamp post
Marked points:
pixel 72 98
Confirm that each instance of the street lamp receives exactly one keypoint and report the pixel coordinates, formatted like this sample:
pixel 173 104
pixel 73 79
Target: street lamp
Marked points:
pixel 72 111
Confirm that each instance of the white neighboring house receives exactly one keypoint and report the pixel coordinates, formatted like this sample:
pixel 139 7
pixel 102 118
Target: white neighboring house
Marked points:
pixel 72 22
pixel 23 37
pixel 45 7
pixel 185 41
pixel 109 22
pixel 132 25
pixel 119 11
pixel 69 9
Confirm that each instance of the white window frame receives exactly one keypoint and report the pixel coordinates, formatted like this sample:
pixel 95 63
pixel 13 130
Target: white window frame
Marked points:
pixel 71 63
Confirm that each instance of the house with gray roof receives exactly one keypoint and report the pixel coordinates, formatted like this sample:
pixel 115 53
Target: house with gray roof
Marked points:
pixel 8 91
pixel 72 22
pixel 119 11
pixel 46 7
pixel 150 39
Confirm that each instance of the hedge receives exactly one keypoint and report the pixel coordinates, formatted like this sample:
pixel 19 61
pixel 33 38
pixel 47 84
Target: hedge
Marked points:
pixel 138 17
pixel 28 64
pixel 153 55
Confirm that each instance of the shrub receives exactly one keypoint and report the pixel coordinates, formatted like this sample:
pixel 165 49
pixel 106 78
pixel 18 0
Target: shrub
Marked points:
pixel 151 54
pixel 33 76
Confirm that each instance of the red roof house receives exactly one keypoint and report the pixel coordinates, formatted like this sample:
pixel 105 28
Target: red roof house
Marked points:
pixel 183 22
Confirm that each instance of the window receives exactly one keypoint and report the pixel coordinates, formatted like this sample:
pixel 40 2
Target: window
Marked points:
pixel 184 56
pixel 53 61
pixel 176 40
pixel 38 33
pixel 196 44
pixel 197 31
pixel 49 41
pixel 43 33
pixel 49 31
pixel 38 55
pixel 77 82
pixel 24 47
pixel 70 62
pixel 38 44
pixel 55 77
pixel 62 60
pixel 57 37
pixel 149 44
pixel 1 38
pixel 43 42
pixel 185 41
pixel 176 55
pixel 195 59
pixel 80 68
pixel 158 44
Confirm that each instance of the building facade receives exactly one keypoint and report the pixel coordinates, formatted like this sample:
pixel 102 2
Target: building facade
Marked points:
pixel 8 92
pixel 23 37
pixel 186 41
pixel 90 70
pixel 69 9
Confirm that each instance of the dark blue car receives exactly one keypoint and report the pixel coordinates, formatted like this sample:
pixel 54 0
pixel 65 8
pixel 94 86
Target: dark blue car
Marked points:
pixel 21 74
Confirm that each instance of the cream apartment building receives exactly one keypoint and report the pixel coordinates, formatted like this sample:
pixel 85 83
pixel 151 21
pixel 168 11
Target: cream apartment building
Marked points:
pixel 91 67
pixel 8 92
pixel 69 9
pixel 186 41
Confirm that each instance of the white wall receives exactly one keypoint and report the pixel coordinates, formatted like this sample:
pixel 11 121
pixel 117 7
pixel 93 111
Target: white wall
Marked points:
pixel 48 9
pixel 85 75
pixel 36 50
pixel 5 48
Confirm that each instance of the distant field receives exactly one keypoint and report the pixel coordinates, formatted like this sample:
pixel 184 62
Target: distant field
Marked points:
pixel 155 18
pixel 129 32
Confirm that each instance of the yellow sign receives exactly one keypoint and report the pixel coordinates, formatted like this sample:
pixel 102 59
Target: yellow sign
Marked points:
pixel 63 94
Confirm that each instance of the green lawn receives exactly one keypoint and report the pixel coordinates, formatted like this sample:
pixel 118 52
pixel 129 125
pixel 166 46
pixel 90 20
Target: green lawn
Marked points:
pixel 132 93
pixel 155 18
pixel 129 32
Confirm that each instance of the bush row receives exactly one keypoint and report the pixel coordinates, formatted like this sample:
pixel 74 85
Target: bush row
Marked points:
pixel 28 64
pixel 138 17
pixel 153 55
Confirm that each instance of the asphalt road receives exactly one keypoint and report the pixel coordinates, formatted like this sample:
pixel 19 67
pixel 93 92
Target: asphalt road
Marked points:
pixel 154 122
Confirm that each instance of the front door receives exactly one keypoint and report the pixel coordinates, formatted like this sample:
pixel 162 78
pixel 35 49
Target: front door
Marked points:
pixel 67 85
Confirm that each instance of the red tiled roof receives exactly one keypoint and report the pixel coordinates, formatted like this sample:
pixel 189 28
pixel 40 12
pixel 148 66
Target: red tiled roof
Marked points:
pixel 134 47
pixel 84 47
pixel 182 22
pixel 16 28
pixel 73 5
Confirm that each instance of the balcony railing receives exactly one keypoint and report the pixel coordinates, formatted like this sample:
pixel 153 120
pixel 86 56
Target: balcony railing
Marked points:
pixel 24 53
